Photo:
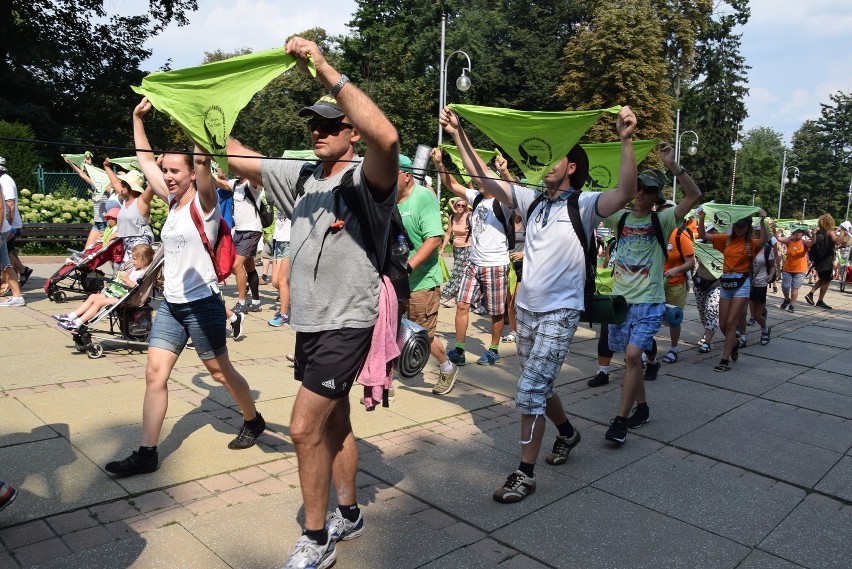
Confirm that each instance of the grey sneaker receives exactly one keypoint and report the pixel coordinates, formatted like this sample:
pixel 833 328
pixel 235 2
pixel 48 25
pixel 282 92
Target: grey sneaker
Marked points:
pixel 308 554
pixel 561 448
pixel 517 487
pixel 341 529
pixel 14 301
pixel 446 381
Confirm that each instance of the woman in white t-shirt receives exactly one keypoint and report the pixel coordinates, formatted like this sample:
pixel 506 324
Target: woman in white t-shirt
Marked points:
pixel 192 307
pixel 281 268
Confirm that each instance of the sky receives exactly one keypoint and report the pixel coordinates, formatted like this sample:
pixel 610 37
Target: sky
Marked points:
pixel 799 52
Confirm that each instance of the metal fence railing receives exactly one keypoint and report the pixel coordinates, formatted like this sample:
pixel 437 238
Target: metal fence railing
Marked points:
pixel 67 183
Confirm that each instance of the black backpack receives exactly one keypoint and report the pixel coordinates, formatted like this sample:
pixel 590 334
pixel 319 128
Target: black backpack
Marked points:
pixel 820 248
pixel 497 207
pixel 380 254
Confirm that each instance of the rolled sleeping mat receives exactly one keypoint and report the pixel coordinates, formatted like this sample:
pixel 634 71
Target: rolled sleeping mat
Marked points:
pixel 413 342
pixel 673 315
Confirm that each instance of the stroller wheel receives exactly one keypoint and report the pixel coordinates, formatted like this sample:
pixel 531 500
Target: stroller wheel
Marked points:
pixel 59 296
pixel 95 351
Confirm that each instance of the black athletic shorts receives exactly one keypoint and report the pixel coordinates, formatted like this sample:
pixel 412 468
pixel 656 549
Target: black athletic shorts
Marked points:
pixel 328 362
pixel 825 276
pixel 758 294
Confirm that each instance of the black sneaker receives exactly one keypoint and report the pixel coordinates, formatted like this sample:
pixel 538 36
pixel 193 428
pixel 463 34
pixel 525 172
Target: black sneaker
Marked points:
pixel 638 417
pixel 809 298
pixel 134 464
pixel 561 448
pixel 651 371
pixel 248 434
pixel 617 430
pixel 821 304
pixel 237 325
pixel 785 304
pixel 602 378
pixel 517 487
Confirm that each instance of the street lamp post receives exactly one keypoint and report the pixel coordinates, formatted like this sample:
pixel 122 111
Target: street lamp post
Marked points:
pixel 693 148
pixel 462 84
pixel 785 179
pixel 804 201
pixel 848 200
pixel 753 196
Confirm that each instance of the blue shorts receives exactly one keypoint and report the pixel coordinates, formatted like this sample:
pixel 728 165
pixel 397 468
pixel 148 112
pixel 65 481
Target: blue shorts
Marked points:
pixel 202 320
pixel 741 292
pixel 642 322
pixel 5 261
pixel 280 250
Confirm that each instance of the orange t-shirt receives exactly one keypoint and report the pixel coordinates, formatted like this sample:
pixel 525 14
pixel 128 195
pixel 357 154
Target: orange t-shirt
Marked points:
pixel 796 260
pixel 736 253
pixel 673 257
pixel 692 225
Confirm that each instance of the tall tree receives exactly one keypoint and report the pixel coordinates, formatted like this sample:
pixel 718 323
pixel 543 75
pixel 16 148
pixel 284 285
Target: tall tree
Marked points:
pixel 618 59
pixel 759 167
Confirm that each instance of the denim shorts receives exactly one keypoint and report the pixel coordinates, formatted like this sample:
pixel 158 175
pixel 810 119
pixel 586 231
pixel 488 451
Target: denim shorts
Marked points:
pixel 5 261
pixel 792 280
pixel 642 322
pixel 742 292
pixel 202 320
pixel 281 250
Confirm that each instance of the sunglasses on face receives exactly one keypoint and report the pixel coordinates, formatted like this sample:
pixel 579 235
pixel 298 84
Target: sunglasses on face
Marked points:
pixel 327 126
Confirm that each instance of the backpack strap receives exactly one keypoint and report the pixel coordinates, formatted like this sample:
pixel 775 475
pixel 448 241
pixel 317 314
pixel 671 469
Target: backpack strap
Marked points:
pixel 589 252
pixel 658 233
pixel 308 169
pixel 538 199
pixel 199 225
pixel 476 201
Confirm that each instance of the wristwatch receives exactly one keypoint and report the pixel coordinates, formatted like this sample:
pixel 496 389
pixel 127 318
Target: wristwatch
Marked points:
pixel 680 172
pixel 338 86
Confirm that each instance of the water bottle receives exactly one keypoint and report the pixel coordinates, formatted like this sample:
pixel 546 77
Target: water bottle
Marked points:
pixel 400 251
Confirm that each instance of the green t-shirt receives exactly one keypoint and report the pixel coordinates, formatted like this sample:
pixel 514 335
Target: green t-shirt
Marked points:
pixel 422 220
pixel 638 259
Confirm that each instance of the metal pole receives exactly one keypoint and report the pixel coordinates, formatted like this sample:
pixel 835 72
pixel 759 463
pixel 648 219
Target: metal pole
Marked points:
pixel 441 97
pixel 804 201
pixel 677 153
pixel 783 175
pixel 848 199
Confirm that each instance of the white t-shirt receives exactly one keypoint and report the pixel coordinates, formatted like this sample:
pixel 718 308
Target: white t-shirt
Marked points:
pixel 488 244
pixel 4 223
pixel 246 217
pixel 281 233
pixel 554 263
pixel 10 192
pixel 187 267
pixel 759 267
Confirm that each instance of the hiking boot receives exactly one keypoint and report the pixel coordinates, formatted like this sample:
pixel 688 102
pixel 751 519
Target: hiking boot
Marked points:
pixel 456 357
pixel 278 320
pixel 517 487
pixel 602 378
pixel 248 434
pixel 809 298
pixel 651 371
pixel 638 417
pixel 446 381
pixel 617 430
pixel 489 358
pixel 308 554
pixel 821 304
pixel 341 529
pixel 785 304
pixel 134 464
pixel 237 325
pixel 7 495
pixel 25 276
pixel 561 447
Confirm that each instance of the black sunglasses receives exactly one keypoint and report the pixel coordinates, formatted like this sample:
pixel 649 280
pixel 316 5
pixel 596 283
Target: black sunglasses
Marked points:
pixel 327 126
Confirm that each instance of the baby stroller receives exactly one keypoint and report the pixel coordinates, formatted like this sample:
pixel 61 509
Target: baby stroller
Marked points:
pixel 80 273
pixel 127 323
pixel 844 273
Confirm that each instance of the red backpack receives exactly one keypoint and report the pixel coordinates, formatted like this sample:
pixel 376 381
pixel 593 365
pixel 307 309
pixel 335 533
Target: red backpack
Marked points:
pixel 223 253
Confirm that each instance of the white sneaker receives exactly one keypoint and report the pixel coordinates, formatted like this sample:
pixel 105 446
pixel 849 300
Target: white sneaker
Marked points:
pixel 308 554
pixel 341 529
pixel 14 301
pixel 510 337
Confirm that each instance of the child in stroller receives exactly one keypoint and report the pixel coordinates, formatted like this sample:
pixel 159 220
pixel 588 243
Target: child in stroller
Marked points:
pixel 142 255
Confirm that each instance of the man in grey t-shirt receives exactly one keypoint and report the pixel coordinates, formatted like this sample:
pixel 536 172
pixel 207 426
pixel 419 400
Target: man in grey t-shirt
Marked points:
pixel 334 283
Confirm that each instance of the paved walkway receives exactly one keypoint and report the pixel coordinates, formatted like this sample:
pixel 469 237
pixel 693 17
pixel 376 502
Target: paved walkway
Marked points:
pixel 749 469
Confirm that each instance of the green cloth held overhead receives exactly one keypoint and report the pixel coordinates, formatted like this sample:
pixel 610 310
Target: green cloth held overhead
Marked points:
pixel 453 151
pixel 536 140
pixel 127 162
pixel 710 257
pixel 99 179
pixel 605 162
pixel 76 159
pixel 300 155
pixel 723 215
pixel 205 100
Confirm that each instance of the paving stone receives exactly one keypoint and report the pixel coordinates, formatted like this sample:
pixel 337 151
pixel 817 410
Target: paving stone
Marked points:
pixel 827 381
pixel 7 561
pixel 645 537
pixel 810 398
pixel 817 534
pixel 464 532
pixel 761 560
pixel 492 550
pixel 791 351
pixel 465 558
pixel 840 363
pixel 522 562
pixel 188 492
pixel 114 511
pixel 838 481
pixel 435 518
pixel 817 334
pixel 153 501
pixel 761 377
pixel 86 538
pixel 72 521
pixel 20 425
pixel 42 551
pixel 25 534
pixel 718 500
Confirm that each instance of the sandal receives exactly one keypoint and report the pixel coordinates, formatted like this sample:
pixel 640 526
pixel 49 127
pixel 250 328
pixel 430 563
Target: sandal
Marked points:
pixel 764 336
pixel 670 357
pixel 722 367
pixel 704 348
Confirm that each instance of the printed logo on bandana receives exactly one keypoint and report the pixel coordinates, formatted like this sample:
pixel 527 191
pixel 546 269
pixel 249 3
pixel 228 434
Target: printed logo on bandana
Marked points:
pixel 722 218
pixel 536 153
pixel 600 178
pixel 214 127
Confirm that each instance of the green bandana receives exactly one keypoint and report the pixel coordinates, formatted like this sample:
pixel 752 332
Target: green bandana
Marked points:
pixel 75 159
pixel 486 155
pixel 605 162
pixel 205 101
pixel 300 155
pixel 128 163
pixel 536 140
pixel 99 179
pixel 723 215
pixel 710 257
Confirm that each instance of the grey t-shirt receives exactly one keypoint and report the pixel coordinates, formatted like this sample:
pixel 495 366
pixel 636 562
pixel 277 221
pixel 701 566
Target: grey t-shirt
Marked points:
pixel 334 283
